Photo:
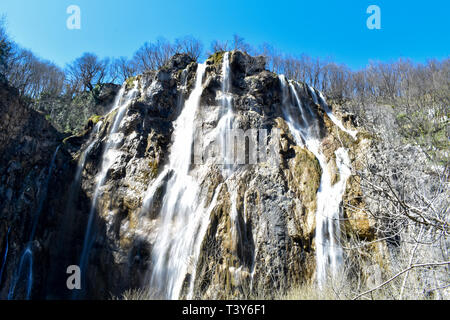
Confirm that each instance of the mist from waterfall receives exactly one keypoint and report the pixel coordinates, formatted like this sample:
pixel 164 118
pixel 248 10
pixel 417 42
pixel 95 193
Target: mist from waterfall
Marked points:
pixel 305 130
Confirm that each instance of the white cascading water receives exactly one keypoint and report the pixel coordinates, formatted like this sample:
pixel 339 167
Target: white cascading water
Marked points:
pixel 109 157
pixel 222 134
pixel 25 259
pixel 27 256
pixel 226 121
pixel 184 218
pixel 181 212
pixel 330 114
pixel 75 185
pixel 227 143
pixel 225 138
pixel 329 197
pixel 85 154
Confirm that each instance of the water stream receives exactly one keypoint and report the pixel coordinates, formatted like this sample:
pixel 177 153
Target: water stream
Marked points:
pixel 5 255
pixel 181 213
pixel 305 130
pixel 26 259
pixel 110 155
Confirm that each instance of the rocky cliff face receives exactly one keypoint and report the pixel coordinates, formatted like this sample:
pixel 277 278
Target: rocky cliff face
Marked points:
pixel 28 144
pixel 139 202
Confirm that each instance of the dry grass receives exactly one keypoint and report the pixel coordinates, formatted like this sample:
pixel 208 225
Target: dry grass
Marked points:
pixel 423 283
pixel 310 292
pixel 135 294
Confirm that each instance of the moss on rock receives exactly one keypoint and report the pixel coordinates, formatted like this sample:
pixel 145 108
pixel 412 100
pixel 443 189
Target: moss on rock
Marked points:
pixel 130 82
pixel 306 176
pixel 154 165
pixel 216 58
pixel 94 119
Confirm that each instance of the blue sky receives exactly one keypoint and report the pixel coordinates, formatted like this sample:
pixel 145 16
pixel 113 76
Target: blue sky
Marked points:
pixel 415 29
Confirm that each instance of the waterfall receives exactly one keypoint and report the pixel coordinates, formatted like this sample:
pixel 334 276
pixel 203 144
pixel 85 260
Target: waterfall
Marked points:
pixel 224 128
pixel 333 118
pixel 109 157
pixel 226 122
pixel 184 218
pixel 5 256
pixel 85 154
pixel 43 197
pixel 25 259
pixel 66 230
pixel 75 185
pixel 329 197
pixel 181 213
pixel 27 255
pixel 227 143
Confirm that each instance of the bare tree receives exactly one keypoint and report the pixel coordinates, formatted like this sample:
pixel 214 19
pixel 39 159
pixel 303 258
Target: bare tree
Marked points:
pixel 359 87
pixel 218 46
pixel 337 81
pixel 407 197
pixel 122 69
pixel 5 47
pixel 240 44
pixel 271 55
pixel 189 45
pixel 152 56
pixel 32 76
pixel 87 71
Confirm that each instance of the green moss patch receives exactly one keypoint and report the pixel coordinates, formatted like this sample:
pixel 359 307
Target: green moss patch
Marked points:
pixel 130 82
pixel 216 58
pixel 307 174
pixel 95 119
pixel 153 168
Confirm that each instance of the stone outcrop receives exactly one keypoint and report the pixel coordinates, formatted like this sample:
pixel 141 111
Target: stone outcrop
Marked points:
pixel 268 247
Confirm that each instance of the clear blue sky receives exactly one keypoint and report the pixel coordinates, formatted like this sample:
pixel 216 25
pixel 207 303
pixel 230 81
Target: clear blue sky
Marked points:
pixel 415 29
